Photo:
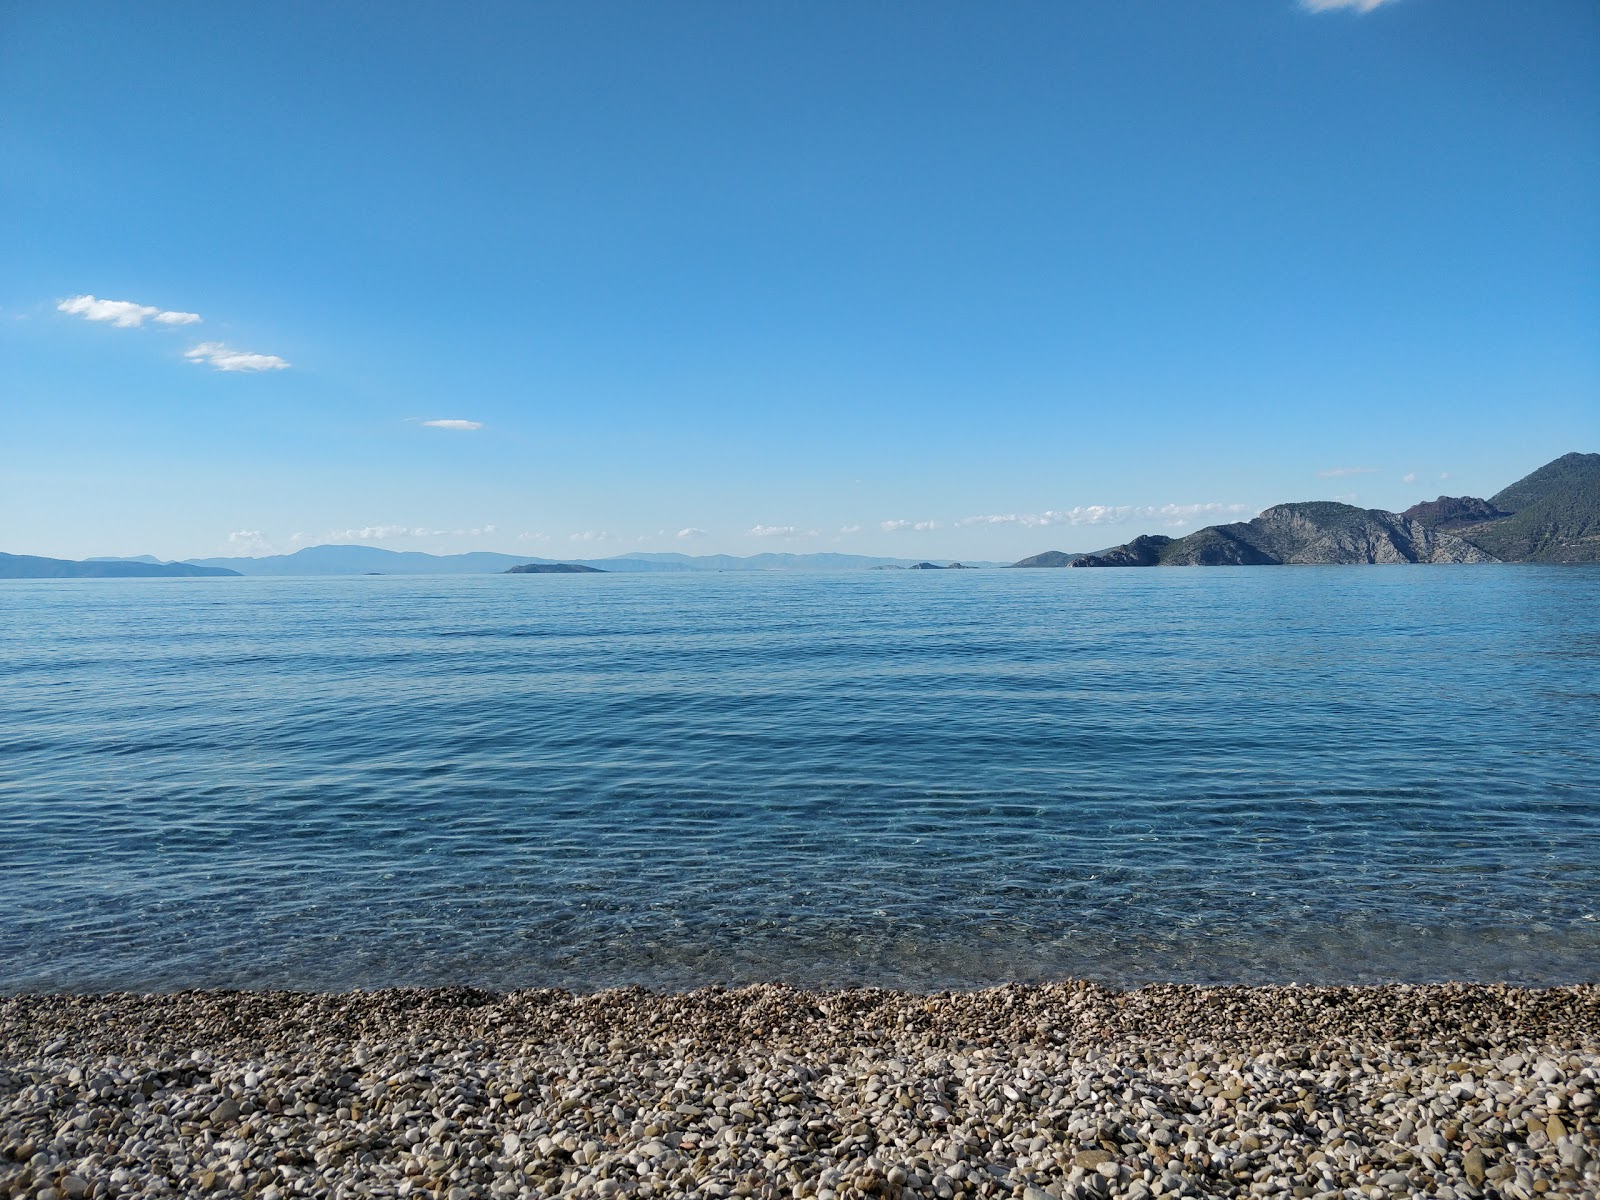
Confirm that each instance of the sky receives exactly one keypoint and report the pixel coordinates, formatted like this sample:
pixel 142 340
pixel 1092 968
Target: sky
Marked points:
pixel 927 279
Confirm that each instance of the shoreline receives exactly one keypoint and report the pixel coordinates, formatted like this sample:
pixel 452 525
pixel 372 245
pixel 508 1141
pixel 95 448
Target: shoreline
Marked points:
pixel 1045 1090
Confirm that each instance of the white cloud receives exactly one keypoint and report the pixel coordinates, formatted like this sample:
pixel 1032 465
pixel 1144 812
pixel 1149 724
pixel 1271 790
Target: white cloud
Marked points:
pixel 1341 472
pixel 1444 474
pixel 1360 6
pixel 1409 477
pixel 248 541
pixel 224 358
pixel 450 423
pixel 783 531
pixel 849 529
pixel 1346 497
pixel 124 314
pixel 914 526
pixel 1114 514
pixel 376 533
pixel 386 533
pixel 686 534
pixel 590 535
pixel 533 537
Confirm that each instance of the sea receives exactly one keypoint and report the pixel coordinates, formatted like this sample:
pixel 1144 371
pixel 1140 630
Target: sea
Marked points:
pixel 914 779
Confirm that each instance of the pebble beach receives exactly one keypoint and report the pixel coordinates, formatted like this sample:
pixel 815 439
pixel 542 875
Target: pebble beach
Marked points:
pixel 1059 1090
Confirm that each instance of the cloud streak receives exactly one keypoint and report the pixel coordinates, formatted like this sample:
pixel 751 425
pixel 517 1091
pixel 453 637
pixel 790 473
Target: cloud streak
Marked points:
pixel 1341 472
pixel 453 423
pixel 783 531
pixel 225 358
pixel 1360 6
pixel 1113 514
pixel 386 533
pixel 124 314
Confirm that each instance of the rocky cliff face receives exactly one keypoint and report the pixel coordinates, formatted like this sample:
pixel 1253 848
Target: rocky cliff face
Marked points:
pixel 1453 512
pixel 1141 552
pixel 1315 532
pixel 1327 533
pixel 1550 515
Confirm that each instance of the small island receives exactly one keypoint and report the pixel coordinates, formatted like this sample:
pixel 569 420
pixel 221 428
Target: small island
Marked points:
pixel 553 569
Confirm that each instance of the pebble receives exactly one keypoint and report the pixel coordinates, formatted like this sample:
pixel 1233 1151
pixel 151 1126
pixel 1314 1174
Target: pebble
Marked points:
pixel 1046 1092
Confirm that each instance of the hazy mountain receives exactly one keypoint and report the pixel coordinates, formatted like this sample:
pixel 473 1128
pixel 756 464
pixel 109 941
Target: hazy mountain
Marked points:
pixel 30 566
pixel 1551 515
pixel 822 561
pixel 544 568
pixel 1050 558
pixel 362 560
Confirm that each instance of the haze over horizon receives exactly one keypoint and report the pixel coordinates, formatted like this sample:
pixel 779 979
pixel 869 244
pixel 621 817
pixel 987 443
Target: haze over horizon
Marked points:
pixel 921 281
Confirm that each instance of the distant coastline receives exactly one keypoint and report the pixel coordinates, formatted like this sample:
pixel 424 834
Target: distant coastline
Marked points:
pixel 1551 515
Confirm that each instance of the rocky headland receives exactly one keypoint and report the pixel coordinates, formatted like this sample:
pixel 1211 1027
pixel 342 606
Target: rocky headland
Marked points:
pixel 1039 1092
pixel 1551 515
pixel 553 569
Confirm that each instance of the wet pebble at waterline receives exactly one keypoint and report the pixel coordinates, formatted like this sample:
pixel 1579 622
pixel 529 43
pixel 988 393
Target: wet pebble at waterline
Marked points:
pixel 1054 1091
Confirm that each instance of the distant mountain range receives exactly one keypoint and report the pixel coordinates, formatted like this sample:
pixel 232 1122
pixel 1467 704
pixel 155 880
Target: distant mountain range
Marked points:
pixel 1551 515
pixel 359 560
pixel 373 560
pixel 31 566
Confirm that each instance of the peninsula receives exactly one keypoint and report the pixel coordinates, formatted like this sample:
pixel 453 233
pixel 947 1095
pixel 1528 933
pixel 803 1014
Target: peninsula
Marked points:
pixel 1551 515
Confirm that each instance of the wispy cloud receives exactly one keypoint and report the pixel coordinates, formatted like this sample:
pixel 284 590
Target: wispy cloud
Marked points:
pixel 590 535
pixel 533 537
pixel 1114 514
pixel 780 531
pixel 687 534
pixel 849 529
pixel 450 423
pixel 225 358
pixel 1341 472
pixel 1409 477
pixel 1360 6
pixel 908 526
pixel 1346 497
pixel 124 314
pixel 386 533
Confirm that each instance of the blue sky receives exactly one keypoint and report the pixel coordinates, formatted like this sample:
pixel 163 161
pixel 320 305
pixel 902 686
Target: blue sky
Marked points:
pixel 925 279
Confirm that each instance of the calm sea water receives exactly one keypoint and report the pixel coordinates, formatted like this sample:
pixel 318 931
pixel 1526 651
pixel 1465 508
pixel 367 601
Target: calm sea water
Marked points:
pixel 901 778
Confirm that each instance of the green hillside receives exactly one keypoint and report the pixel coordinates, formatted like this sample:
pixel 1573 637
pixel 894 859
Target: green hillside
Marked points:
pixel 1569 471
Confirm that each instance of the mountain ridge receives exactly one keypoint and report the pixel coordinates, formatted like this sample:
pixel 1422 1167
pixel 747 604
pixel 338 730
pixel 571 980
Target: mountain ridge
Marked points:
pixel 1551 514
pixel 34 566
pixel 357 560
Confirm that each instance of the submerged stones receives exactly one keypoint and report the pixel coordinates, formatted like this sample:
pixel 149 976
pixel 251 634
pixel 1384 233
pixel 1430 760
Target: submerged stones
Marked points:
pixel 1056 1091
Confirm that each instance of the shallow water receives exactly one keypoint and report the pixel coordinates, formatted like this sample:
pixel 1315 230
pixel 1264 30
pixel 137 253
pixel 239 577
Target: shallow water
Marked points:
pixel 903 778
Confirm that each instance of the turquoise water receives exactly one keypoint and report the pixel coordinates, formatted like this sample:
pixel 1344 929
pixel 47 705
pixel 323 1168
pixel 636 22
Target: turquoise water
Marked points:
pixel 903 778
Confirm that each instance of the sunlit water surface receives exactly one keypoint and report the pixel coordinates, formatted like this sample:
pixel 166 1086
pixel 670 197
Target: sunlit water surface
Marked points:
pixel 902 778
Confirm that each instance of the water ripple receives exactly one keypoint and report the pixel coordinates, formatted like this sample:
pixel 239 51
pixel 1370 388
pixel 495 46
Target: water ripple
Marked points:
pixel 913 779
